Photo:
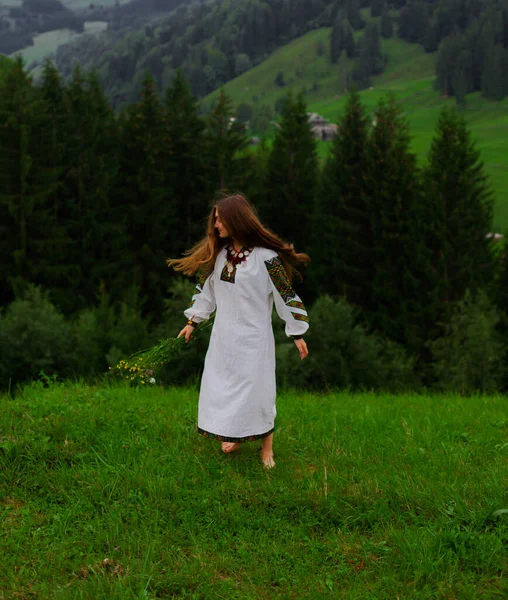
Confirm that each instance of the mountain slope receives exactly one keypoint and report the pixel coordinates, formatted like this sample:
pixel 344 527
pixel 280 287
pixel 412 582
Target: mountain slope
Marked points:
pixel 213 41
pixel 305 70
pixel 409 76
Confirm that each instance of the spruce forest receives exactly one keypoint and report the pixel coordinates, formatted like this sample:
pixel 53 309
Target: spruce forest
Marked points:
pixel 405 289
pixel 407 284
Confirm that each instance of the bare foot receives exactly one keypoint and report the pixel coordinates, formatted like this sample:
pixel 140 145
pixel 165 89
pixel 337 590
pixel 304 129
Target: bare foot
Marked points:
pixel 267 452
pixel 267 459
pixel 228 447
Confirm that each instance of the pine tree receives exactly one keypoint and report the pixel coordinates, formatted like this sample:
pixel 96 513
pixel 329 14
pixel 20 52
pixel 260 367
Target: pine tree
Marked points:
pixel 254 186
pixel 336 39
pixel 341 38
pixel 376 8
pixel 493 84
pixel 197 81
pixel 431 38
pixel 144 198
pixel 25 188
pixel 344 72
pixel 479 40
pixel 49 149
pixel 386 23
pixel 504 26
pixel 371 60
pixel 52 100
pixel 413 22
pixel 363 71
pixel 404 289
pixel 353 14
pixel 459 199
pixel 349 43
pixel 292 175
pixel 342 235
pixel 225 144
pixel 188 169
pixel 462 80
pixel 505 72
pixel 445 63
pixel 373 46
pixel 104 227
pixel 90 165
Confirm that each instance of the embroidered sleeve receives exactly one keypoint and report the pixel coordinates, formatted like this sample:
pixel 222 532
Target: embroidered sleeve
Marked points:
pixel 203 300
pixel 289 306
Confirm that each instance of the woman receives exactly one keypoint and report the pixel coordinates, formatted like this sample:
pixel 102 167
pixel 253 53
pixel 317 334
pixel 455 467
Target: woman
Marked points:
pixel 244 269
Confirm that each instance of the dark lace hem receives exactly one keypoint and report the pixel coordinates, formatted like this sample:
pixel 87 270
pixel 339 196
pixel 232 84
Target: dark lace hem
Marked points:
pixel 223 438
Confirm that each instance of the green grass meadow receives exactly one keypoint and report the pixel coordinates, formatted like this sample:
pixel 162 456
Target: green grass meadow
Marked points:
pixel 409 77
pixel 108 493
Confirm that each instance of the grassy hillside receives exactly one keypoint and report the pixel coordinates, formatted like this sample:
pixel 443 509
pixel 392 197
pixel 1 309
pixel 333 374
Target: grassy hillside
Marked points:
pixel 108 493
pixel 409 77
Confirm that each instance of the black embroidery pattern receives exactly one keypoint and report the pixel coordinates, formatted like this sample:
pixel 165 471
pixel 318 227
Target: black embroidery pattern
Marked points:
pixel 228 276
pixel 223 438
pixel 280 279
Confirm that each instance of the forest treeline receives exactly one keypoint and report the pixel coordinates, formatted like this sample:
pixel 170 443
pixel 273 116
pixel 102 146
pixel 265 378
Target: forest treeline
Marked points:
pixel 405 289
pixel 214 42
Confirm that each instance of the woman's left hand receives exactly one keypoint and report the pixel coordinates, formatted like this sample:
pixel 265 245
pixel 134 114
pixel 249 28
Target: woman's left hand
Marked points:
pixel 302 348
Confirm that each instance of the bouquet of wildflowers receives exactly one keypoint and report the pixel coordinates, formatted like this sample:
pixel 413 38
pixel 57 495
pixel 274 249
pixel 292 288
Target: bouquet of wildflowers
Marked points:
pixel 144 366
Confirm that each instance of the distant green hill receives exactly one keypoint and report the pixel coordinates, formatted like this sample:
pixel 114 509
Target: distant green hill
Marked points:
pixel 409 76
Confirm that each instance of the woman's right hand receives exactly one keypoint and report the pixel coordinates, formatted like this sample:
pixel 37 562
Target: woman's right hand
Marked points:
pixel 302 348
pixel 187 331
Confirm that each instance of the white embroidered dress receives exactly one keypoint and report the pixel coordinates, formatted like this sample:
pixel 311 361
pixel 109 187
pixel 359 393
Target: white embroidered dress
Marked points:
pixel 237 397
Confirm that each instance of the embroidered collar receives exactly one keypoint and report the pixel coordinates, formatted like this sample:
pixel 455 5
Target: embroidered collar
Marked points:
pixel 234 258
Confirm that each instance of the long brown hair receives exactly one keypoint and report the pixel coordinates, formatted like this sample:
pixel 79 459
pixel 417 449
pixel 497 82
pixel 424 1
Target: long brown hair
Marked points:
pixel 241 220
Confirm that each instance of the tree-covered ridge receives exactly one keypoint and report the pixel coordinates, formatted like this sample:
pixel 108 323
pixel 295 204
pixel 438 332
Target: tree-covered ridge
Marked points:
pixel 19 24
pixel 471 37
pixel 212 42
pixel 215 41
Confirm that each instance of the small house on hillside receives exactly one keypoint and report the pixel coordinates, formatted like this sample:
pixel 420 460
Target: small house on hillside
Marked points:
pixel 316 120
pixel 325 132
pixel 321 128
